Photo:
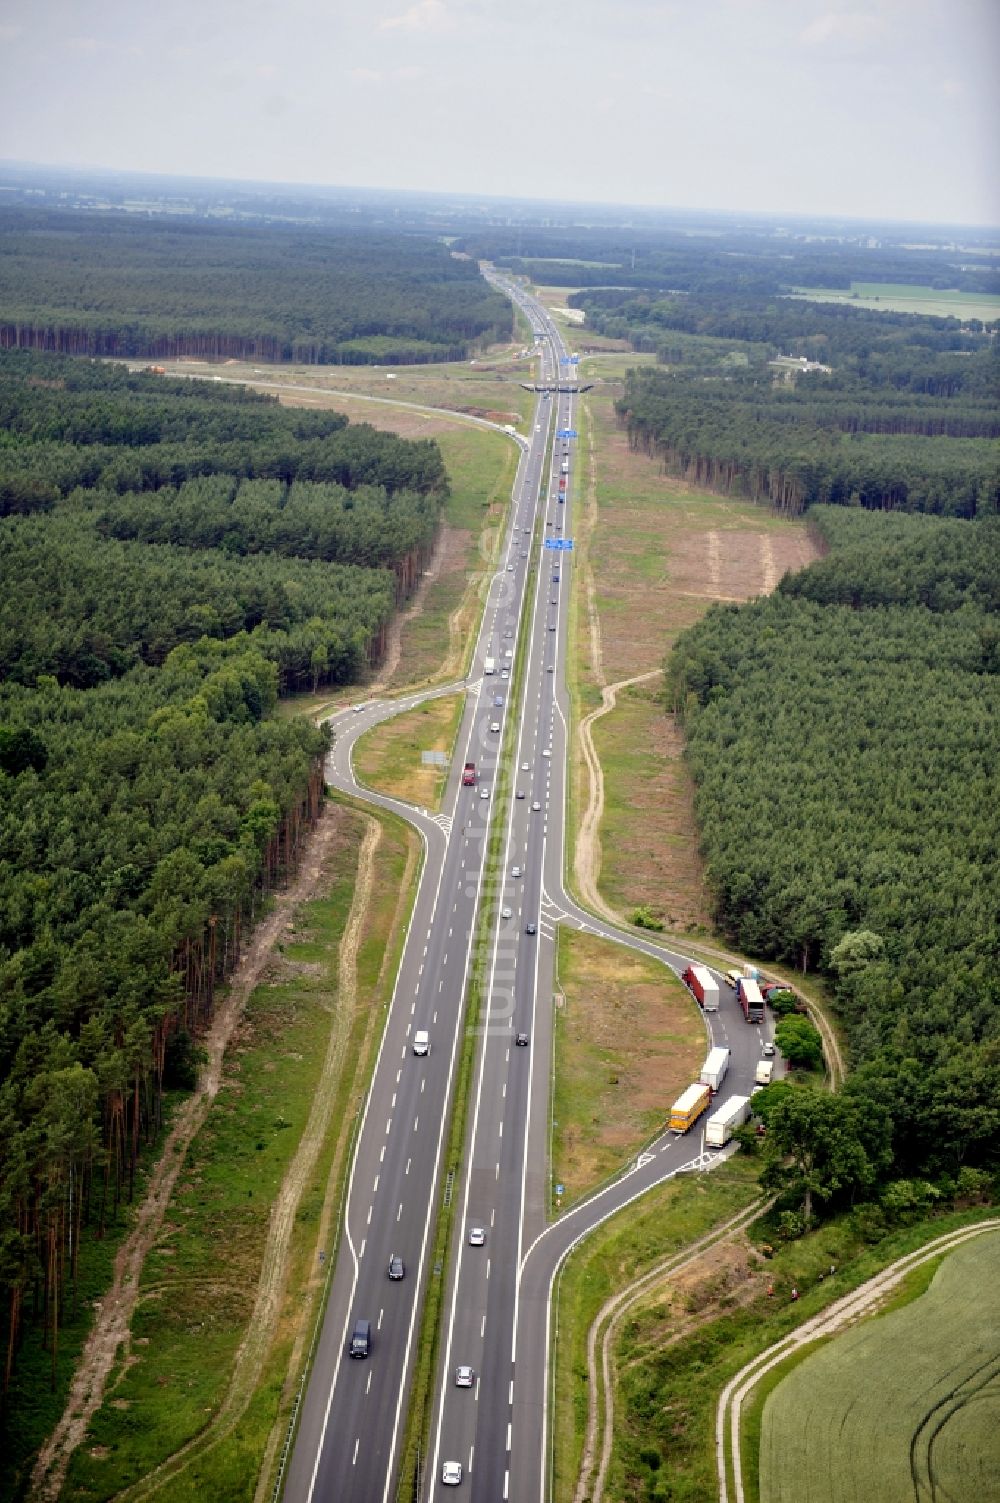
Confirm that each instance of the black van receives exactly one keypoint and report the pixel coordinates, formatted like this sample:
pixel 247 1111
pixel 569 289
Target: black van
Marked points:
pixel 361 1341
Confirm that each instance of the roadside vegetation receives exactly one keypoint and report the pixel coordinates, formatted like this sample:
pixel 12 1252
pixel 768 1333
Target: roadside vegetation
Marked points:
pixel 388 758
pixel 652 555
pixel 664 1221
pixel 206 1385
pixel 628 1039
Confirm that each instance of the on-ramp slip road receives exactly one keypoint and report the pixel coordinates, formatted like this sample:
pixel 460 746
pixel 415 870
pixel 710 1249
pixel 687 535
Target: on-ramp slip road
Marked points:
pixel 497 1303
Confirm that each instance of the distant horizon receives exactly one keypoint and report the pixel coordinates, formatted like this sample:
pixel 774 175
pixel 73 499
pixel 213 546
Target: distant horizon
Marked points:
pixel 291 185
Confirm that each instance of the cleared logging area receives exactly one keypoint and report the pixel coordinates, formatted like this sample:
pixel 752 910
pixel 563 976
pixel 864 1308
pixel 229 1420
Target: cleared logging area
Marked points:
pixel 901 1408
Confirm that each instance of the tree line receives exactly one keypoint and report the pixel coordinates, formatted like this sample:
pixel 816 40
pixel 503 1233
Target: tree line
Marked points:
pixel 84 284
pixel 843 737
pixel 898 424
pixel 192 550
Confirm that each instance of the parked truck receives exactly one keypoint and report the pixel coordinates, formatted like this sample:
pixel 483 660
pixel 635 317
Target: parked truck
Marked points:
pixel 469 775
pixel 721 1124
pixel 704 985
pixel 713 1071
pixel 749 997
pixel 688 1108
pixel 765 1070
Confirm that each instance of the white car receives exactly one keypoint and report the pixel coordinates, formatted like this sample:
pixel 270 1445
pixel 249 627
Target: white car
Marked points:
pixel 525 766
pixel 515 871
pixel 494 726
pixel 464 1377
pixel 547 751
pixel 484 793
pixel 536 806
pixel 477 1236
pixel 506 913
pixel 451 1473
pixel 510 570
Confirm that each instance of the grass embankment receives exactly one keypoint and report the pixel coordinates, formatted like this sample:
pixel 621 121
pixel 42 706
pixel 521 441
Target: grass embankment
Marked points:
pixel 934 1427
pixel 681 1346
pixel 653 555
pixel 628 1039
pixel 664 1221
pixel 388 757
pixel 200 1282
pixel 436 640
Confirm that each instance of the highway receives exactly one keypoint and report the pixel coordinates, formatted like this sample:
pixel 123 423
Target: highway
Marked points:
pixel 496 1305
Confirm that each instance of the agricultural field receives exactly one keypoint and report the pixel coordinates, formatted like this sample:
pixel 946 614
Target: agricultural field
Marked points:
pixel 934 1433
pixel 902 297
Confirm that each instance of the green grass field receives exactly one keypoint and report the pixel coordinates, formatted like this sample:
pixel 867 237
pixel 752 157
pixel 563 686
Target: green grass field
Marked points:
pixel 903 1407
pixel 904 297
pixel 388 757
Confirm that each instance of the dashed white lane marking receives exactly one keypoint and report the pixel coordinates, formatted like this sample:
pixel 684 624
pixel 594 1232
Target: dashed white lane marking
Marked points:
pixel 388 1124
pixel 408 1163
pixel 375 1186
pixel 354 1458
pixel 369 1221
pixel 399 1213
pixel 415 1121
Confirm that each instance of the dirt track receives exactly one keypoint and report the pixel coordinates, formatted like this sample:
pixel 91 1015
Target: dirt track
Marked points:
pixel 110 1331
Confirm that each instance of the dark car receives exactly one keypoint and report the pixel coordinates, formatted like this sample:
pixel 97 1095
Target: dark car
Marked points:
pixel 396 1269
pixel 361 1339
pixel 529 929
pixel 521 1041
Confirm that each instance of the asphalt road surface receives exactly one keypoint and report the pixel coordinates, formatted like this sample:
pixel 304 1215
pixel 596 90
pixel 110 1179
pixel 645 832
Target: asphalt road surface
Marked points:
pixel 496 1306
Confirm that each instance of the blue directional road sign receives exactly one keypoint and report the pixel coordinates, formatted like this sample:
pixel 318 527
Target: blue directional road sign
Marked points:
pixel 564 360
pixel 574 360
pixel 559 545
pixel 566 433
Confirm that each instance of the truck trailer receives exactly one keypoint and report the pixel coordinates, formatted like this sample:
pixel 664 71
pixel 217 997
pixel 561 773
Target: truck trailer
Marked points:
pixel 721 1124
pixel 749 997
pixel 490 665
pixel 688 1108
pixel 713 1071
pixel 704 986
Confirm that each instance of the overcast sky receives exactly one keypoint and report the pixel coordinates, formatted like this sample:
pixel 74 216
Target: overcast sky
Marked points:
pixel 884 108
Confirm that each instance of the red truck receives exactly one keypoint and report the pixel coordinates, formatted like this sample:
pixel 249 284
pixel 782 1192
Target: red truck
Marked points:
pixel 469 775
pixel 703 984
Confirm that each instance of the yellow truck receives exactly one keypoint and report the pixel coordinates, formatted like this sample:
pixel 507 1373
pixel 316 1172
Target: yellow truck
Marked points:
pixel 688 1108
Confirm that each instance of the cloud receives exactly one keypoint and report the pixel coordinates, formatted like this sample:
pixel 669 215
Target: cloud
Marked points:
pixel 425 15
pixel 378 75
pixel 842 28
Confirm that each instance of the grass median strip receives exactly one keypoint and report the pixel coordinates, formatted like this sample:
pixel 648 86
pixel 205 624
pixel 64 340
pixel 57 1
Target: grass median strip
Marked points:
pixel 415 1454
